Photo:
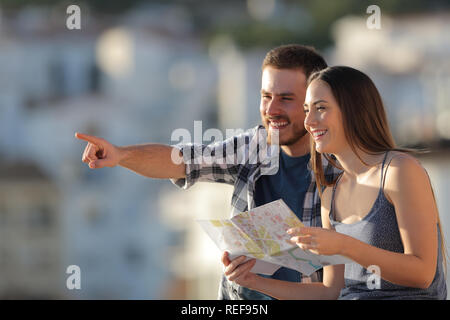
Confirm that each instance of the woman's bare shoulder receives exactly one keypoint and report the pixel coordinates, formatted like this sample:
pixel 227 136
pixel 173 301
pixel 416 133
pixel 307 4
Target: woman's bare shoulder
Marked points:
pixel 402 164
pixel 404 172
pixel 326 198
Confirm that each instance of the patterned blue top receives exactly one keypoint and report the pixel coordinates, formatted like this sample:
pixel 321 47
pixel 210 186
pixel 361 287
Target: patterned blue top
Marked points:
pixel 379 228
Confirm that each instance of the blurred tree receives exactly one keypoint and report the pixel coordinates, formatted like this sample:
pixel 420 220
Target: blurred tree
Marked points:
pixel 103 6
pixel 305 21
pixel 322 14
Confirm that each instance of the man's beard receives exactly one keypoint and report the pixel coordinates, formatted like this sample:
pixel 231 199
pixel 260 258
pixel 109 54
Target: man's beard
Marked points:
pixel 297 134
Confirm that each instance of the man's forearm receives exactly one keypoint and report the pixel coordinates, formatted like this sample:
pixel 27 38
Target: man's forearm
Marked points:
pixel 153 161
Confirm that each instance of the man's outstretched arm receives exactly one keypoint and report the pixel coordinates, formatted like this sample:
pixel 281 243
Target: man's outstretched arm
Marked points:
pixel 150 160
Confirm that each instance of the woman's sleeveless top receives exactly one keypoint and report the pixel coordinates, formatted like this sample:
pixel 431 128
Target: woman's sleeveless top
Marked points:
pixel 379 228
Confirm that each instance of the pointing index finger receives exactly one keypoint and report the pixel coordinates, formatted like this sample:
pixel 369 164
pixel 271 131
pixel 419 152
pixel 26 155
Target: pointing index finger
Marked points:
pixel 88 138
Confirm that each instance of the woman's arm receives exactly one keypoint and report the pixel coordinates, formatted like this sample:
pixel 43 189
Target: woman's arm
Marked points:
pixel 240 273
pixel 409 190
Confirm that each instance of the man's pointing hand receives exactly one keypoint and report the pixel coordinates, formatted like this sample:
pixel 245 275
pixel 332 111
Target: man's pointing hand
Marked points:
pixel 99 153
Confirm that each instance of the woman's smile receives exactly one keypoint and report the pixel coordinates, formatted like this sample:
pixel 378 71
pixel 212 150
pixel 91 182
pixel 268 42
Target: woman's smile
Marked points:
pixel 318 133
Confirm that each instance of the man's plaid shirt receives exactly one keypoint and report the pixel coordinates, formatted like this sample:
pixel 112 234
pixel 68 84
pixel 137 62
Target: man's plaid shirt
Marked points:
pixel 233 161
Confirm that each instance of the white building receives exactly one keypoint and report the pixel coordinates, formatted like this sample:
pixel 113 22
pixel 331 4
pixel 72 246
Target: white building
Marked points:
pixel 31 240
pixel 50 88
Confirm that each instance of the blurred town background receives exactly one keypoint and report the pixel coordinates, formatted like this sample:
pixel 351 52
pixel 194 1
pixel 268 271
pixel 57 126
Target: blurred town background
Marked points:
pixel 138 70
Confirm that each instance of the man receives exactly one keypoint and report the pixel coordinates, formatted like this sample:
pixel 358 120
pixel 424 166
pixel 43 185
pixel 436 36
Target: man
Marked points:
pixel 285 70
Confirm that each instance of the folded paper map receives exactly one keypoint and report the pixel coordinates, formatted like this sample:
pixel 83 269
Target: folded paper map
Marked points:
pixel 261 233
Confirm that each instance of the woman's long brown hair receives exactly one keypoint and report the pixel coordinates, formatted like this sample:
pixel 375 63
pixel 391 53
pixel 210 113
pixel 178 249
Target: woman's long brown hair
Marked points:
pixel 364 120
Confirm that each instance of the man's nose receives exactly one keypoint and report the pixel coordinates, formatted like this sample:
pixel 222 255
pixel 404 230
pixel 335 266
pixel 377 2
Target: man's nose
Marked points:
pixel 273 108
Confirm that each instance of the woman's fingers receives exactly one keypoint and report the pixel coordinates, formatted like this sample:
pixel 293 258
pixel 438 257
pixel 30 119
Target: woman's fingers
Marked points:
pixel 306 243
pixel 303 230
pixel 308 239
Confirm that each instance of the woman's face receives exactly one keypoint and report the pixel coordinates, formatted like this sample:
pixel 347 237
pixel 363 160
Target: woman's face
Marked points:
pixel 323 118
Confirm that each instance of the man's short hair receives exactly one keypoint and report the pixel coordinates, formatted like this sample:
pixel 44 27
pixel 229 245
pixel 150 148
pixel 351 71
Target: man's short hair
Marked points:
pixel 295 56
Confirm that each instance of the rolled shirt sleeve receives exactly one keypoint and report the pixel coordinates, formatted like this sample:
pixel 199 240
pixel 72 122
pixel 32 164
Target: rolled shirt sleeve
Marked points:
pixel 217 162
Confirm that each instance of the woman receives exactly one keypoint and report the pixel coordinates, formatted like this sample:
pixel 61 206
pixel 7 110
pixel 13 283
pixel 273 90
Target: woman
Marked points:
pixel 380 212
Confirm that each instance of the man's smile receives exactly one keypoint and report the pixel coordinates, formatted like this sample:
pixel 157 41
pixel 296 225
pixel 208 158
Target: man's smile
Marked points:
pixel 277 124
